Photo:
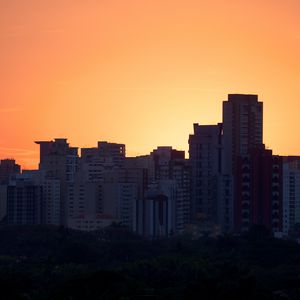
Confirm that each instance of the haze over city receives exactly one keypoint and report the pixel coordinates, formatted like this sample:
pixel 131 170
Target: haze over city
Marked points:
pixel 142 72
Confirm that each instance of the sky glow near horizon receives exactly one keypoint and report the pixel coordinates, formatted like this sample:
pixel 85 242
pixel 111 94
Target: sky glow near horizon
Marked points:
pixel 142 72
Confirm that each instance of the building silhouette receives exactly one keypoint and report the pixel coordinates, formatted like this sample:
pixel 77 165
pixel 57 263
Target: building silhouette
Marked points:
pixel 291 194
pixel 258 198
pixel 8 168
pixel 230 183
pixel 24 202
pixel 242 128
pixel 205 158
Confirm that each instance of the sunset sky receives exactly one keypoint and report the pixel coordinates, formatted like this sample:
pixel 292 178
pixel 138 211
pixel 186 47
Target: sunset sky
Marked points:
pixel 141 72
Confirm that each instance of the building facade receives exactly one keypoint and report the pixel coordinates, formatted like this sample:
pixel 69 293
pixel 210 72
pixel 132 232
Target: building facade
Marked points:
pixel 259 191
pixel 242 128
pixel 291 194
pixel 205 150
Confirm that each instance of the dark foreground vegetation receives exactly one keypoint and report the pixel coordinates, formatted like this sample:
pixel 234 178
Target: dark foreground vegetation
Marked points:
pixel 54 263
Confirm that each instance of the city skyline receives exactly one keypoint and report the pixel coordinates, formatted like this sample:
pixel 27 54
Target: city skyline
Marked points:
pixel 229 183
pixel 143 73
pixel 148 149
pixel 131 153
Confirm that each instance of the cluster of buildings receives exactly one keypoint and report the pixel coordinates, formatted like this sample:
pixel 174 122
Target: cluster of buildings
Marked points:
pixel 229 183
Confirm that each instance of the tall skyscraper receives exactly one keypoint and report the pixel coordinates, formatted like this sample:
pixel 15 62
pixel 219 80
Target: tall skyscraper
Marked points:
pixel 257 181
pixel 258 197
pixel 242 128
pixel 205 160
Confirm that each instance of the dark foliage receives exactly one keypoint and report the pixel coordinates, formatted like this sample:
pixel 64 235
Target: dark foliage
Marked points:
pixel 57 263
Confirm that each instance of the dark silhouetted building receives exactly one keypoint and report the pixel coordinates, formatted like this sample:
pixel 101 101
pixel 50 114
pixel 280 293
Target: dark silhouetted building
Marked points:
pixel 8 168
pixel 165 193
pixel 291 195
pixel 24 203
pixel 257 173
pixel 205 150
pixel 259 190
pixel 171 168
pixel 108 152
pixel 58 161
pixel 242 128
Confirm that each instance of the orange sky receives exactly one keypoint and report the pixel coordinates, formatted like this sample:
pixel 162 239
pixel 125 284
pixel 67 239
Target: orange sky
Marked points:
pixel 141 72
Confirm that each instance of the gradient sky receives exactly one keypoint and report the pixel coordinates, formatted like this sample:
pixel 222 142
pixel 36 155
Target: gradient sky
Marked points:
pixel 141 72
